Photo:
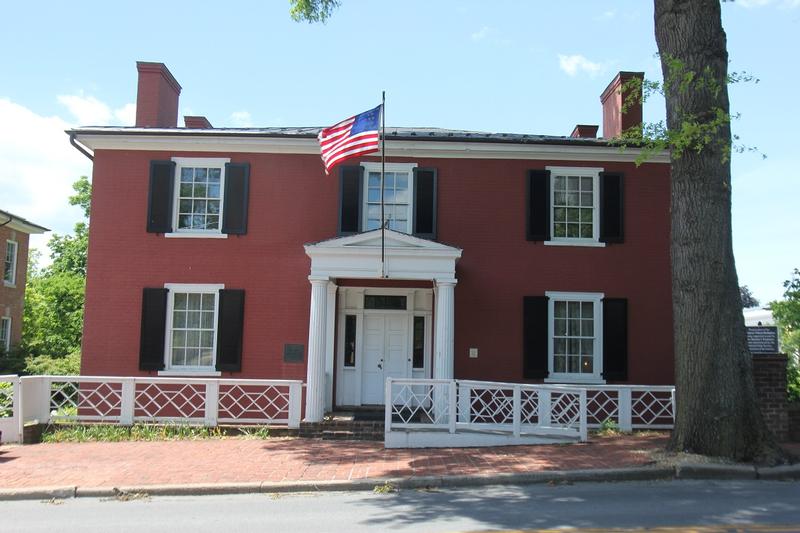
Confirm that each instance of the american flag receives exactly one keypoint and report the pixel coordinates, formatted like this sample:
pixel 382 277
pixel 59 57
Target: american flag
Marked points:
pixel 350 138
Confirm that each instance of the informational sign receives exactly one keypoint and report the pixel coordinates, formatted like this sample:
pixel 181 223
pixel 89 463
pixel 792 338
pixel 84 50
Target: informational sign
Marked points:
pixel 293 353
pixel 762 339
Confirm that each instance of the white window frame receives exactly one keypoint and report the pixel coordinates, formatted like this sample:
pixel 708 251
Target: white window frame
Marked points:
pixel 5 326
pixel 390 167
pixel 205 371
pixel 597 365
pixel 13 281
pixel 190 162
pixel 586 172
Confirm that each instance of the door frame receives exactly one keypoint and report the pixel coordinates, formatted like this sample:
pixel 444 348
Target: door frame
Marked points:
pixel 349 379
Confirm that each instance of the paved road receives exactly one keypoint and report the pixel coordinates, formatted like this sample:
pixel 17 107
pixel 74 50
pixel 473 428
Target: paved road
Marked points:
pixel 585 505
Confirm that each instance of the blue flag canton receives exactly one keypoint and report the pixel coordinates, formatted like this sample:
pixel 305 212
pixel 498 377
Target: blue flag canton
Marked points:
pixel 366 121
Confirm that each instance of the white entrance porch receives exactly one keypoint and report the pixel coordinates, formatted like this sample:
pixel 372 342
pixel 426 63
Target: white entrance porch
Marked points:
pixel 382 335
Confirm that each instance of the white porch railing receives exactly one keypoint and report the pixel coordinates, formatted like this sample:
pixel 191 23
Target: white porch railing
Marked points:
pixel 510 412
pixel 125 400
pixel 10 422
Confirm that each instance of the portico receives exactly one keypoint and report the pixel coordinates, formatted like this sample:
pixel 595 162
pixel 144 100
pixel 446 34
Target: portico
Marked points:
pixel 389 325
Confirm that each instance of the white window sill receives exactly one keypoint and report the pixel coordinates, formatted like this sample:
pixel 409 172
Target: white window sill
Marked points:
pixel 9 285
pixel 190 373
pixel 195 235
pixel 588 244
pixel 570 380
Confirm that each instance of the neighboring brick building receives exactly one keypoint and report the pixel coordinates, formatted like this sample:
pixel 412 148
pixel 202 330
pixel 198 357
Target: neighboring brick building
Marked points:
pixel 509 257
pixel 14 232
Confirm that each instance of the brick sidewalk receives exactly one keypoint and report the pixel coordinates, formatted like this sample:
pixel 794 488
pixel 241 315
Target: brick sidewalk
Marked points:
pixel 235 460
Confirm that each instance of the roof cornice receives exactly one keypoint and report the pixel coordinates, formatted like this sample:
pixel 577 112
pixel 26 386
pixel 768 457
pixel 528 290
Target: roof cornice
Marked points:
pixel 244 141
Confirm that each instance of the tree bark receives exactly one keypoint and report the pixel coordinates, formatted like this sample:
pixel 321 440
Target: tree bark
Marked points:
pixel 717 409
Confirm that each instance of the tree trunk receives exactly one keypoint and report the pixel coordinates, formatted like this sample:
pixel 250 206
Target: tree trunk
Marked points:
pixel 717 410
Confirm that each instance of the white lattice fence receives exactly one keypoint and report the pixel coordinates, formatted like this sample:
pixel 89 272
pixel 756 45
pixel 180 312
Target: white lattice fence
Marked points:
pixel 10 419
pixel 631 406
pixel 126 400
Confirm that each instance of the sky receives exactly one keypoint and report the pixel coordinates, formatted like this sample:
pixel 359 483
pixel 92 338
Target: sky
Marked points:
pixel 501 66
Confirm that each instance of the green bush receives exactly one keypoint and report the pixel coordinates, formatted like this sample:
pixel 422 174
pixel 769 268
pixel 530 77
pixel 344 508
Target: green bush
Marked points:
pixel 19 362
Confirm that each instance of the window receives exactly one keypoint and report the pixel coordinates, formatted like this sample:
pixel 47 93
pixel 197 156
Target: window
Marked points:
pixel 419 342
pixel 350 340
pixel 381 301
pixel 199 190
pixel 5 333
pixel 574 204
pixel 575 343
pixel 397 196
pixel 10 264
pixel 192 327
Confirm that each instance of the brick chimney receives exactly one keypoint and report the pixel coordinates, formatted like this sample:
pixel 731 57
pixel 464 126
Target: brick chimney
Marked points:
pixel 157 97
pixel 614 120
pixel 584 131
pixel 197 123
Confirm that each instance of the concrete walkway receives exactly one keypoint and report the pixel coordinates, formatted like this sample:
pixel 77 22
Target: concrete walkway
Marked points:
pixel 239 460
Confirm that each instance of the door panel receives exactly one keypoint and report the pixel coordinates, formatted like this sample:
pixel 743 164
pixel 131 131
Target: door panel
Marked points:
pixel 372 373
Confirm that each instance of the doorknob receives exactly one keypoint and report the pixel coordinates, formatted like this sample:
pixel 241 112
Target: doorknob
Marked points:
pixel 380 364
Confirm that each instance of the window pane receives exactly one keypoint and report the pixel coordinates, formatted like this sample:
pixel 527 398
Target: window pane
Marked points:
pixel 573 309
pixel 573 199
pixel 559 346
pixel 388 180
pixel 192 356
pixel 179 319
pixel 559 214
pixel 560 327
pixel 194 300
pixel 200 174
pixel 401 181
pixel 374 195
pixel 419 342
pixel 350 340
pixel 192 338
pixel 587 328
pixel 573 365
pixel 213 191
pixel 187 174
pixel 199 190
pixel 574 346
pixel 206 357
pixel 586 184
pixel 559 364
pixel 587 347
pixel 178 356
pixel 559 183
pixel 572 230
pixel 384 302
pixel 586 215
pixel 214 175
pixel 587 365
pixel 374 179
pixel 559 198
pixel 572 183
pixel 560 309
pixel 573 215
pixel 573 327
pixel 586 231
pixel 178 339
pixel 207 321
pixel 180 301
pixel 559 230
pixel 186 189
pixel 206 339
pixel 587 199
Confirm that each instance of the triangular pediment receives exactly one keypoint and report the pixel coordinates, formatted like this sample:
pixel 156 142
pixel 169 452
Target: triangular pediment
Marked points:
pixel 372 239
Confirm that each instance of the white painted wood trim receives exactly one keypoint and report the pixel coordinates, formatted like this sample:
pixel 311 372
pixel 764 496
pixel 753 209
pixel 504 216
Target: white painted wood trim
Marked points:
pixel 251 142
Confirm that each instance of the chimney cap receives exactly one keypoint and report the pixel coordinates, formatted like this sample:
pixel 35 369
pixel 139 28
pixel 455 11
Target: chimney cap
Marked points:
pixel 159 68
pixel 197 122
pixel 621 77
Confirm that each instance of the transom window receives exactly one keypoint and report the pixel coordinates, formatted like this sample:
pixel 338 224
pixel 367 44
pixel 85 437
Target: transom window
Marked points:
pixel 397 196
pixel 192 327
pixel 575 330
pixel 10 263
pixel 574 203
pixel 5 334
pixel 387 302
pixel 199 194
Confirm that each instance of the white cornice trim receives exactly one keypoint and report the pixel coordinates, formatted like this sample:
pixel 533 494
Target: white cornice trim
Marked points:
pixel 396 148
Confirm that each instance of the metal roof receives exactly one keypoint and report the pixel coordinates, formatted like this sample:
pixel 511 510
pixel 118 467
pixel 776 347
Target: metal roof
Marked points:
pixel 6 218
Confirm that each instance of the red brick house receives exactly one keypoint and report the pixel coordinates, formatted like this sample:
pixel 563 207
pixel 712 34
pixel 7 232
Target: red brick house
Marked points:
pixel 218 251
pixel 14 232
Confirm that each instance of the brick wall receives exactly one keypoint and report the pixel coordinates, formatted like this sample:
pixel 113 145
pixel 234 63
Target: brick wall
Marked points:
pixel 12 297
pixel 794 421
pixel 769 375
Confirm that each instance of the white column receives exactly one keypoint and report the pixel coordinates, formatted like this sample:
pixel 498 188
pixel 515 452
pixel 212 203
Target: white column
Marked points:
pixel 317 325
pixel 444 329
pixel 329 348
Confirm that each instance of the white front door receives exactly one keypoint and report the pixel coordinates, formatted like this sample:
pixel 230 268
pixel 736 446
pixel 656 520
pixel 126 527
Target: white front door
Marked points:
pixel 386 354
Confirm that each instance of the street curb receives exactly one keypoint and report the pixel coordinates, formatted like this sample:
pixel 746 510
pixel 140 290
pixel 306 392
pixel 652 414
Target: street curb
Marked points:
pixel 420 482
pixel 646 473
pixel 714 471
pixel 779 472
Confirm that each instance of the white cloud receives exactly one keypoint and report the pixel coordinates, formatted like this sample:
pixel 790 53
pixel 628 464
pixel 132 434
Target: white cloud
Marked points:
pixel 481 34
pixel 577 63
pixel 39 167
pixel 242 119
pixel 89 111
pixel 607 15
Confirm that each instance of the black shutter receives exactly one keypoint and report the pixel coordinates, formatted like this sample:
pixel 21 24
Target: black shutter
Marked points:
pixel 160 197
pixel 611 207
pixel 154 329
pixel 535 331
pixel 230 326
pixel 537 208
pixel 350 187
pixel 237 191
pixel 425 181
pixel 615 339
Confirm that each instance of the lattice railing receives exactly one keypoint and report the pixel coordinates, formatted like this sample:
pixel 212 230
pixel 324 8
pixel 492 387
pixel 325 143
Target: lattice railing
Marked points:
pixel 511 408
pixel 126 400
pixel 6 398
pixel 10 420
pixel 631 406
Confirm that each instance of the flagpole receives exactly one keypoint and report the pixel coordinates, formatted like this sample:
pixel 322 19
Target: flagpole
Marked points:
pixel 383 171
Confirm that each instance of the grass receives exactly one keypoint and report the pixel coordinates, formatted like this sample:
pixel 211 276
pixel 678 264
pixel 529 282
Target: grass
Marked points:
pixel 142 432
